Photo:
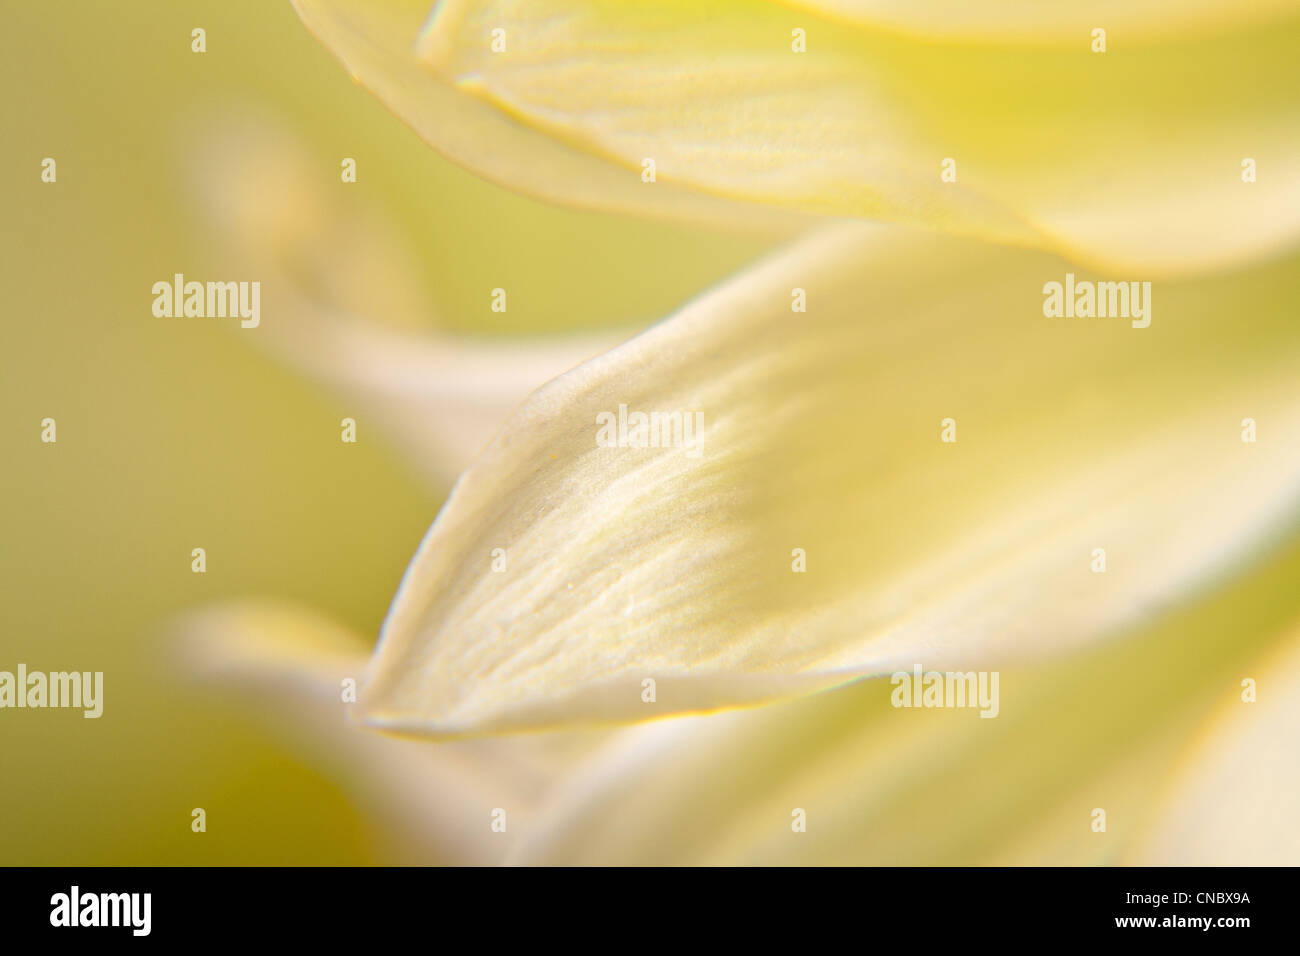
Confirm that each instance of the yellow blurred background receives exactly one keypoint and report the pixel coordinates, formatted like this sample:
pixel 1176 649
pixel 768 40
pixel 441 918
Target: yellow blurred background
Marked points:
pixel 176 434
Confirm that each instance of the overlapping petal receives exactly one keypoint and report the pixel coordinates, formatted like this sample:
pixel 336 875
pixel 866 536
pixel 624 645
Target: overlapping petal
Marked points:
pixel 1130 157
pixel 562 575
pixel 1236 801
pixel 376 42
pixel 342 306
pixel 1098 730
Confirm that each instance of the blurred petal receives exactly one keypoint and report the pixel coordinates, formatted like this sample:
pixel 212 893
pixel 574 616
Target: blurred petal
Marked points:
pixel 342 306
pixel 438 397
pixel 1031 20
pixel 432 803
pixel 1130 157
pixel 1237 802
pixel 821 432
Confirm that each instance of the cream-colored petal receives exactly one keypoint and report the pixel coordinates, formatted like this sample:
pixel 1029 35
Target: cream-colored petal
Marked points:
pixel 713 94
pixel 427 803
pixel 376 42
pixel 1130 157
pixel 1032 21
pixel 822 432
pixel 1101 729
pixel 1236 802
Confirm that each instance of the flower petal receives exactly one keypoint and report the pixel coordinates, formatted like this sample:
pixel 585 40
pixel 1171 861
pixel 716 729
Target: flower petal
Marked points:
pixel 1028 20
pixel 430 803
pixel 822 432
pixel 376 42
pixel 324 264
pixel 1130 157
pixel 1237 802
pixel 439 397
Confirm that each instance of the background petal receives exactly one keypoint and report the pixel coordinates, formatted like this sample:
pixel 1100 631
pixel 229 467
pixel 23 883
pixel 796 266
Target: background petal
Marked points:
pixel 376 42
pixel 427 803
pixel 1103 728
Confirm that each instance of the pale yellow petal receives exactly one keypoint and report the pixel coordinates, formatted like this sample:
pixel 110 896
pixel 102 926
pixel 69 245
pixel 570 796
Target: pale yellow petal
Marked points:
pixel 377 43
pixel 1034 21
pixel 822 432
pixel 1130 157
pixel 712 93
pixel 437 398
pixel 340 304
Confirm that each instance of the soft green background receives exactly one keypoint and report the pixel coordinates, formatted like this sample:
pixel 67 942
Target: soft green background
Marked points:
pixel 174 434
